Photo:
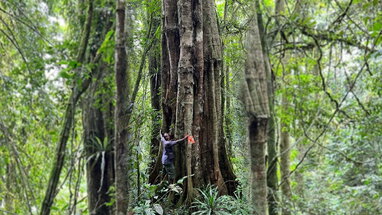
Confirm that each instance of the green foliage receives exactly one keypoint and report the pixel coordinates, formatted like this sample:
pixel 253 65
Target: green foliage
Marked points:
pixel 210 203
pixel 153 199
pixel 107 47
pixel 342 174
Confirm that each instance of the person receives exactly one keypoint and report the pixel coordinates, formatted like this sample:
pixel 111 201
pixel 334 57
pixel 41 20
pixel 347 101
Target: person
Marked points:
pixel 168 155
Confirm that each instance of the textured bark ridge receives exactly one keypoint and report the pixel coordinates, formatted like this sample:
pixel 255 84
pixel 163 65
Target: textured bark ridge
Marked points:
pixel 256 100
pixel 192 103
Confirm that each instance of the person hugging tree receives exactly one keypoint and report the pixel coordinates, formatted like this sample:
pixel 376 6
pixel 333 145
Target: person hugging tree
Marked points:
pixel 168 155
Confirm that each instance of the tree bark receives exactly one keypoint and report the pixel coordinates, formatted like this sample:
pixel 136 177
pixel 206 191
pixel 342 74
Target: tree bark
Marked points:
pixel 257 142
pixel 168 77
pixel 272 178
pixel 213 72
pixel 155 86
pixel 170 63
pixel 98 148
pixel 98 134
pixel 199 92
pixel 285 158
pixel 185 95
pixel 256 100
pixel 122 151
pixel 198 89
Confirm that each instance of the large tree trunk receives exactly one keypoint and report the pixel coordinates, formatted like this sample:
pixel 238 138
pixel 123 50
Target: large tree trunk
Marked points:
pixel 155 84
pixel 98 148
pixel 256 100
pixel 213 72
pixel 197 62
pixel 170 59
pixel 169 65
pixel 122 111
pixel 257 142
pixel 98 139
pixel 272 179
pixel 199 92
pixel 185 94
pixel 99 165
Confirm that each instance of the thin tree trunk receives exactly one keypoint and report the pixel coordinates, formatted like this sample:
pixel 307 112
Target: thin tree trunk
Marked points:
pixel 9 181
pixel 285 158
pixel 225 146
pixel 122 151
pixel 284 127
pixel 273 180
pixel 285 151
pixel 227 120
pixel 58 164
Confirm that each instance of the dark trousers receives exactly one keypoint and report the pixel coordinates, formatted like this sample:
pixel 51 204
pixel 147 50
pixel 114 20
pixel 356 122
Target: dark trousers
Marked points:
pixel 169 169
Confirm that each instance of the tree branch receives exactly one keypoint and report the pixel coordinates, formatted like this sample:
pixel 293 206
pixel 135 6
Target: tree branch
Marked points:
pixel 13 40
pixel 30 26
pixel 343 14
pixel 333 38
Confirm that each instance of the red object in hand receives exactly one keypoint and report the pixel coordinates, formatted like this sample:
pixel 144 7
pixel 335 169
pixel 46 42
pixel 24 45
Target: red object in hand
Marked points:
pixel 190 139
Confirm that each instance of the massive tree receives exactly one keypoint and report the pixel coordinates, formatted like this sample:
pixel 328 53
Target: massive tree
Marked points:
pixel 192 103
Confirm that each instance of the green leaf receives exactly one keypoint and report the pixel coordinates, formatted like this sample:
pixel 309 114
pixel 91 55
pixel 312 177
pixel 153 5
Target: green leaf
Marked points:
pixel 158 208
pixel 66 75
pixel 377 26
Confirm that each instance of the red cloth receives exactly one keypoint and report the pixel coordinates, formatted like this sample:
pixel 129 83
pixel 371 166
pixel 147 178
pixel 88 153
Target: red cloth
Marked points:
pixel 191 139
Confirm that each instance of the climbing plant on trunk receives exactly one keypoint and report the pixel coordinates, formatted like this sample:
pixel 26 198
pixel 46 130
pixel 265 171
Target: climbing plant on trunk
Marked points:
pixel 98 126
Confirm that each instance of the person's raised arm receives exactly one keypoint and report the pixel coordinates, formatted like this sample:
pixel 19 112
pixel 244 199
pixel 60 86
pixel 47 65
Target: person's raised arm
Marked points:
pixel 180 140
pixel 161 136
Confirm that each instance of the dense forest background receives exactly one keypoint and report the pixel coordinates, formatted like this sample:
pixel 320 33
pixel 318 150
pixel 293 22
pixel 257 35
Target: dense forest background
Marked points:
pixel 283 98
